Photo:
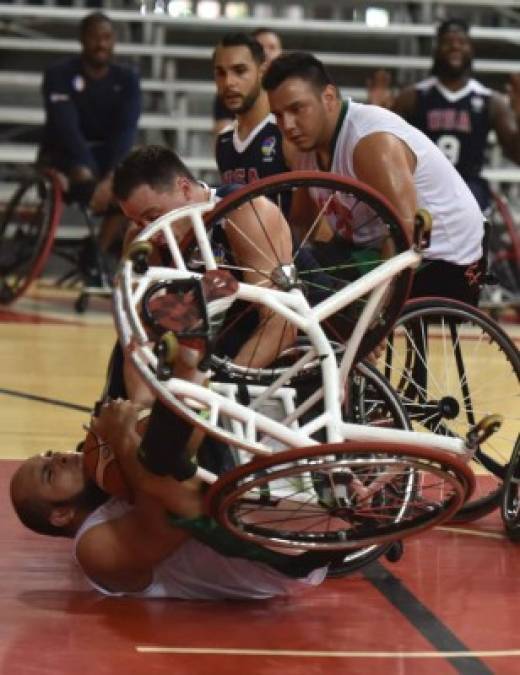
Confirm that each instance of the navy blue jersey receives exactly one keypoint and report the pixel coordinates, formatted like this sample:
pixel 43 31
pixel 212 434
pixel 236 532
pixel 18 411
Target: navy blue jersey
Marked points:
pixel 258 156
pixel 458 122
pixel 88 119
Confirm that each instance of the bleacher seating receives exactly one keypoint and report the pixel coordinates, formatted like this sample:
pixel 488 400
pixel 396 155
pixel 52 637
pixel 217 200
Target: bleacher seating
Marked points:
pixel 176 75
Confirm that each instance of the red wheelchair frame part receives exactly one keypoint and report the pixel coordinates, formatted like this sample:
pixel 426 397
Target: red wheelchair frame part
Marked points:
pixel 505 213
pixel 216 506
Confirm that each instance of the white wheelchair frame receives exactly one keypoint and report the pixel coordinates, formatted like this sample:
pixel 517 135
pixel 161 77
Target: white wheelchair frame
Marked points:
pixel 246 427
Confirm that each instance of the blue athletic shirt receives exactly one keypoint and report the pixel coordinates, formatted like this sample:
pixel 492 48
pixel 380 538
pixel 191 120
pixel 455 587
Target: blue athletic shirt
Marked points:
pixel 456 121
pixel 85 114
pixel 257 156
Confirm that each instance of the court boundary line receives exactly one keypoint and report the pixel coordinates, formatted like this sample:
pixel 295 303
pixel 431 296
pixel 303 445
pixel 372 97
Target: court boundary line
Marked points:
pixel 475 533
pixel 45 399
pixel 223 651
pixel 424 621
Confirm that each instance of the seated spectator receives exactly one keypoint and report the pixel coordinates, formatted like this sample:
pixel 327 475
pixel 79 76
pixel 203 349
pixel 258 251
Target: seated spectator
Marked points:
pixel 92 107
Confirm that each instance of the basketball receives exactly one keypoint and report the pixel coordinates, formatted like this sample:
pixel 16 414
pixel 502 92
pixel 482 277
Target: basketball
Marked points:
pixel 101 466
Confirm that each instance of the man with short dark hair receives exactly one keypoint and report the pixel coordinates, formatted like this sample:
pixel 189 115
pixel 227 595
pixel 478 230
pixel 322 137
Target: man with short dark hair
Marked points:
pixel 454 109
pixel 272 46
pixel 153 180
pixel 380 149
pixel 251 147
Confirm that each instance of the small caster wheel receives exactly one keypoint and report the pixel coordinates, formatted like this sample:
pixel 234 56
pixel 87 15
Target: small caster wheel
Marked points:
pixel 166 350
pixel 81 303
pixel 510 510
pixel 139 253
pixel 395 552
pixel 422 228
pixel 424 219
pixel 487 426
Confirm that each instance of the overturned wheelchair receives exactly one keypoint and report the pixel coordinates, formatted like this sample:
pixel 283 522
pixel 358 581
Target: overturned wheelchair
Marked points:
pixel 329 471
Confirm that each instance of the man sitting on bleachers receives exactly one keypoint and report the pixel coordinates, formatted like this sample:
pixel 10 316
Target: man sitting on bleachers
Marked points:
pixel 92 108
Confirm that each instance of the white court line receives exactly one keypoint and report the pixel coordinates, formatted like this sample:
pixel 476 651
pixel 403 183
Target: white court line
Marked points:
pixel 325 655
pixel 475 533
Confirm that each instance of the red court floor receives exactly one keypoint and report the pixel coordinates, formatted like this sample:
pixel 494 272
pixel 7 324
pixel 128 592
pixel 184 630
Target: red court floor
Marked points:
pixel 449 606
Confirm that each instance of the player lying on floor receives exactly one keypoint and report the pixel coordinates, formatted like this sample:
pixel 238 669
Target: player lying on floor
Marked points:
pixel 153 537
pixel 156 542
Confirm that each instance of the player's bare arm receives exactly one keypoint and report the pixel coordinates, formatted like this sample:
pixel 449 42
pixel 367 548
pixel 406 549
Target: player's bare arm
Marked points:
pixel 391 173
pixel 120 554
pixel 118 425
pixel 261 240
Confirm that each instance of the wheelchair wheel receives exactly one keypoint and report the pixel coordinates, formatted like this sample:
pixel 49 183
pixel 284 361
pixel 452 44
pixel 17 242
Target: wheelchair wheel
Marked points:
pixel 452 365
pixel 511 496
pixel 27 229
pixel 323 262
pixel 503 258
pixel 339 496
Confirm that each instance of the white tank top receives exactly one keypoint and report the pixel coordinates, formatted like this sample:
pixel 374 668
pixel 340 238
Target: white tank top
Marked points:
pixel 197 572
pixel 458 223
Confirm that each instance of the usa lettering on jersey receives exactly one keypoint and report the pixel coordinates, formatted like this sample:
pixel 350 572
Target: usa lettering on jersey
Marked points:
pixel 240 176
pixel 449 120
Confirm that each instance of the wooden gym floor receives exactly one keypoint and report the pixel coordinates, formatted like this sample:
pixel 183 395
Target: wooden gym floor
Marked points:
pixel 449 606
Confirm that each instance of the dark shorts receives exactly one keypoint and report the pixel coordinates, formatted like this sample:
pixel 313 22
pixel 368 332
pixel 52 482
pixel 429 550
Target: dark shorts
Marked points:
pixel 447 280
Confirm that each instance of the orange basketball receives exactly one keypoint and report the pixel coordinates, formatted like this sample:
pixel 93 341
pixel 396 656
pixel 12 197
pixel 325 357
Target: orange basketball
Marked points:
pixel 101 466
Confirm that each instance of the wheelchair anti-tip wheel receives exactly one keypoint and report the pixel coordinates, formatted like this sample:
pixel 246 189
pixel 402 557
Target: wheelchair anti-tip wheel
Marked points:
pixel 452 366
pixel 27 230
pixel 339 496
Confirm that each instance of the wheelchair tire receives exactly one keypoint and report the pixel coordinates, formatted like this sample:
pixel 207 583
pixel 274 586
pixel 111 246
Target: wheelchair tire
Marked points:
pixel 319 277
pixel 254 500
pixel 452 365
pixel 27 230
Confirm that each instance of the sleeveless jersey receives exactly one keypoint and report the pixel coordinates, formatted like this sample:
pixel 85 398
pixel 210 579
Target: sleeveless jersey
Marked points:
pixel 457 122
pixel 257 156
pixel 458 223
pixel 197 572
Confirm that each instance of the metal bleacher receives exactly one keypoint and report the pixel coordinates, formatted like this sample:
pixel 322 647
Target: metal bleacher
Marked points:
pixel 173 56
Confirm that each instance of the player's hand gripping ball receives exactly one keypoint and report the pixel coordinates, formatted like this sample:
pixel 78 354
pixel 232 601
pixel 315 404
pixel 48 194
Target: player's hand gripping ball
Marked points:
pixel 101 465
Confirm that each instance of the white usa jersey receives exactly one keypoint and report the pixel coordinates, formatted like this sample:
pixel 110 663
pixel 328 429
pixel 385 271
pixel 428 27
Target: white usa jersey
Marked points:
pixel 458 222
